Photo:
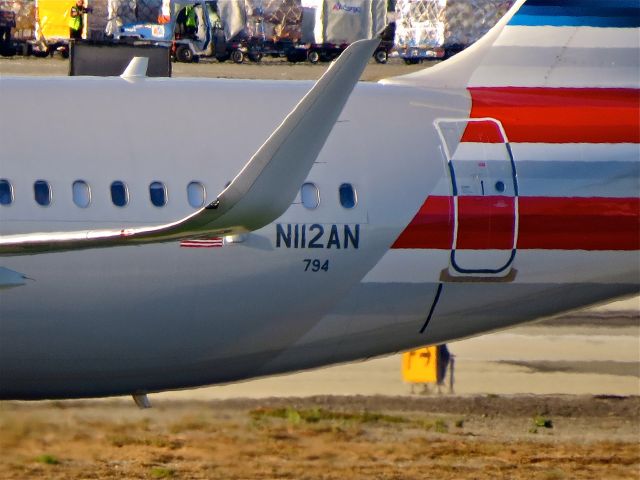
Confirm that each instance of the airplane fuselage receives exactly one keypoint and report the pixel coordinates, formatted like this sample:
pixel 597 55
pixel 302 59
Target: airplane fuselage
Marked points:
pixel 412 262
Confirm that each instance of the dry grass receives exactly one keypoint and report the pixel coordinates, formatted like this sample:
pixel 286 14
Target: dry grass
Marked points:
pixel 303 440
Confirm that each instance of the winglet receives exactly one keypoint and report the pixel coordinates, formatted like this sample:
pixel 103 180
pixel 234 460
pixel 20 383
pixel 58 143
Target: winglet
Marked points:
pixel 137 68
pixel 259 194
pixel 269 182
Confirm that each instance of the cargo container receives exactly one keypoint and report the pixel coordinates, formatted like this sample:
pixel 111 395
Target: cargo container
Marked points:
pixel 438 29
pixel 275 25
pixel 17 26
pixel 329 26
pixel 18 20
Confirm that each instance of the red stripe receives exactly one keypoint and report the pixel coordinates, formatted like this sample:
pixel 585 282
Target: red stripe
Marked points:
pixel 579 223
pixel 432 226
pixel 557 115
pixel 483 132
pixel 485 223
pixel 548 223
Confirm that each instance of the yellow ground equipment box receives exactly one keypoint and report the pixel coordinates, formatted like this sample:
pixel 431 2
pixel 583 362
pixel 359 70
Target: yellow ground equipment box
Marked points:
pixel 53 18
pixel 420 366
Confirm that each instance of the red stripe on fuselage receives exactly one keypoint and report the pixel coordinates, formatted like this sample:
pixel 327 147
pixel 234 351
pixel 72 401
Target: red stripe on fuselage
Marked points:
pixel 579 223
pixel 556 115
pixel 485 222
pixel 548 223
pixel 432 227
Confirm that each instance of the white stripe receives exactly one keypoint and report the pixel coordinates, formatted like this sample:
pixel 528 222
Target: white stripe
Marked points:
pixel 477 151
pixel 583 152
pixel 561 170
pixel 577 169
pixel 558 152
pixel 442 188
pixel 532 266
pixel 558 67
pixel 561 77
pixel 581 37
pixel 409 266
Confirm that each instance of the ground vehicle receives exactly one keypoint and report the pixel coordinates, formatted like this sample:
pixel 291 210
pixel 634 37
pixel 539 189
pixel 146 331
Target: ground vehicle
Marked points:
pixel 214 35
pixel 326 52
pixel 386 43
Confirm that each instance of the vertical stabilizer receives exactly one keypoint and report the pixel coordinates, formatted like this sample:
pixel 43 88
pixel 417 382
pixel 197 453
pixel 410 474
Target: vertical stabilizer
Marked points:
pixel 547 43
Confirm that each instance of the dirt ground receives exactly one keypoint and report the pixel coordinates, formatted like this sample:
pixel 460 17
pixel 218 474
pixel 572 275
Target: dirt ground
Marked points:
pixel 487 437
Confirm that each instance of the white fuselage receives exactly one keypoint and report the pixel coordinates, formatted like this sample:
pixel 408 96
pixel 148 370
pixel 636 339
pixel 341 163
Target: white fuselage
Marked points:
pixel 146 318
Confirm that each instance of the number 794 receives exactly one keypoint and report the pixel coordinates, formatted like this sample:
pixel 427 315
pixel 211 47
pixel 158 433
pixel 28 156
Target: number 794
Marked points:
pixel 315 265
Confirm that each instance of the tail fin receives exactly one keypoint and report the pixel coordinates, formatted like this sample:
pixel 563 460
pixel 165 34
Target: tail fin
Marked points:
pixel 547 43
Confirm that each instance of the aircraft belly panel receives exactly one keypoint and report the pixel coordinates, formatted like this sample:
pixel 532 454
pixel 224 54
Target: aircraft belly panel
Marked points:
pixel 361 326
pixel 102 324
pixel 365 311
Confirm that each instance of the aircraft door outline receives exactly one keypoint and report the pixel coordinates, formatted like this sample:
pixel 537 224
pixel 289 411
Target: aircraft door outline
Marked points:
pixel 483 175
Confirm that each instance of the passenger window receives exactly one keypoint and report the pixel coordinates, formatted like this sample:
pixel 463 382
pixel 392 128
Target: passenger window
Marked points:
pixel 42 193
pixel 119 193
pixel 348 198
pixel 158 194
pixel 6 192
pixel 310 195
pixel 81 193
pixel 196 194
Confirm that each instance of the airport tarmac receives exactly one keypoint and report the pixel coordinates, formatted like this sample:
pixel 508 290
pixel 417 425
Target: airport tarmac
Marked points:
pixel 269 68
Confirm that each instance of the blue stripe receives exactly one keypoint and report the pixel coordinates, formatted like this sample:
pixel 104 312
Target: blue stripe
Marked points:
pixel 579 13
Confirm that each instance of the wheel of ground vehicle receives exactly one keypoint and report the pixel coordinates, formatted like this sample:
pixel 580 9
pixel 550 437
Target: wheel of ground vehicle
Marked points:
pixel 26 49
pixel 381 56
pixel 41 53
pixel 7 51
pixel 296 55
pixel 313 56
pixel 223 58
pixel 237 56
pixel 255 57
pixel 184 54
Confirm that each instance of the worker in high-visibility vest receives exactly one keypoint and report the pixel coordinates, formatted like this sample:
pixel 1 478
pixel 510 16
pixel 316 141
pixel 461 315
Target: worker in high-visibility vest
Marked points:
pixel 190 21
pixel 76 19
